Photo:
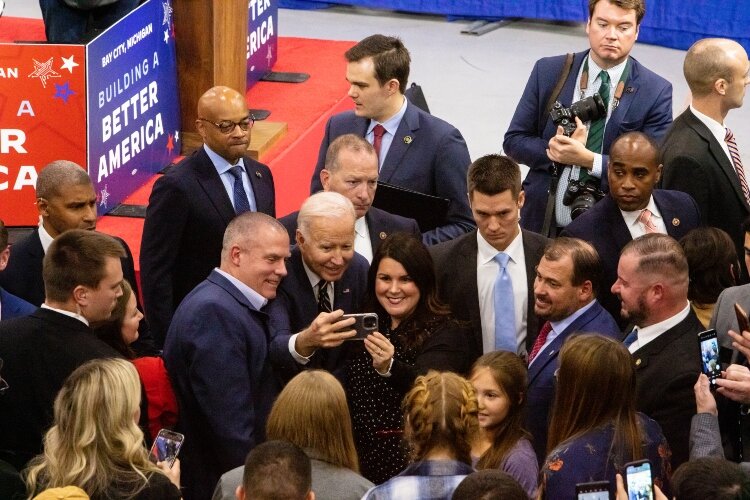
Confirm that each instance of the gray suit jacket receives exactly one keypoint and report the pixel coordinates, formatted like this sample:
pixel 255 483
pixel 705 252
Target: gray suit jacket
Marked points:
pixel 329 482
pixel 705 439
pixel 724 318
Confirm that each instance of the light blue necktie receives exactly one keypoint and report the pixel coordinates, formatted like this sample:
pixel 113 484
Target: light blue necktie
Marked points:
pixel 632 337
pixel 505 318
pixel 241 200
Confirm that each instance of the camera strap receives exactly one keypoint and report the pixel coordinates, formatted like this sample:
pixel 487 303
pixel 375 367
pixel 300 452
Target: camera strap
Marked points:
pixel 619 89
pixel 560 82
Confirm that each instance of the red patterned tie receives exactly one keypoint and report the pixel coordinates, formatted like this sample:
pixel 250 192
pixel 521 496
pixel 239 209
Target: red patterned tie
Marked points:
pixel 540 340
pixel 737 162
pixel 645 219
pixel 378 132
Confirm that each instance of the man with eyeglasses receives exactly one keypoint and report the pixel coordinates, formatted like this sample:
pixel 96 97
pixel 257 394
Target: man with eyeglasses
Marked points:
pixel 192 204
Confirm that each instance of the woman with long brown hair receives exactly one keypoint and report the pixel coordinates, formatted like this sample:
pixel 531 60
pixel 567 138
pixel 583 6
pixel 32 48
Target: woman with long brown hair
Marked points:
pixel 595 429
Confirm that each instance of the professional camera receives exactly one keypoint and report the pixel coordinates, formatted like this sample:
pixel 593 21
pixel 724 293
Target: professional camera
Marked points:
pixel 580 196
pixel 588 110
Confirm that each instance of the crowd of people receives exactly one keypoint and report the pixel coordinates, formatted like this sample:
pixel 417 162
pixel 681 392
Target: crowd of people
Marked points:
pixel 543 335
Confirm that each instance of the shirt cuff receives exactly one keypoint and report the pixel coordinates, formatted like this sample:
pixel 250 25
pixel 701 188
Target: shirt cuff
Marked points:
pixel 596 169
pixel 387 372
pixel 299 358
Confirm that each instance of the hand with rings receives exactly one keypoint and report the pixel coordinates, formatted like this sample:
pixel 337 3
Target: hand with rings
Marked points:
pixel 381 350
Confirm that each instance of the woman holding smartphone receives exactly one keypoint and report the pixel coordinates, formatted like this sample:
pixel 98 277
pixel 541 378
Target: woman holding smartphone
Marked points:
pixel 595 429
pixel 417 333
pixel 95 442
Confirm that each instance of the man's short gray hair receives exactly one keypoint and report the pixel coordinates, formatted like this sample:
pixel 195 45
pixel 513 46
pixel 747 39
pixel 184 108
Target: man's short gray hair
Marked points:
pixel 325 204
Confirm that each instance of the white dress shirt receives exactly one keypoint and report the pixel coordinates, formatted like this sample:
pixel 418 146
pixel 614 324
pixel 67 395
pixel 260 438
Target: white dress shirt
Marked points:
pixel 649 333
pixel 222 168
pixel 362 242
pixel 390 126
pixel 634 225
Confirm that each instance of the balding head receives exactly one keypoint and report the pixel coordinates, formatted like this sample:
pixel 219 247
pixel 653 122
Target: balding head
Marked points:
pixel 65 198
pixel 713 59
pixel 634 170
pixel 222 107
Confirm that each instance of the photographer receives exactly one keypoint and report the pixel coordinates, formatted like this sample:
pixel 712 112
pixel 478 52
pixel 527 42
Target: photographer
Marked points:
pixel 635 99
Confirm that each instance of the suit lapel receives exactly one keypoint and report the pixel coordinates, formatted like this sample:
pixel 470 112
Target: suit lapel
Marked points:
pixel 255 176
pixel 618 229
pixel 374 229
pixel 718 153
pixel 408 127
pixel 668 214
pixel 467 282
pixel 210 182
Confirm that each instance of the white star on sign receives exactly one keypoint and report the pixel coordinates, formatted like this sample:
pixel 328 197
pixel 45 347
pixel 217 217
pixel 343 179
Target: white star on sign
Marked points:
pixel 44 71
pixel 177 135
pixel 68 63
pixel 269 55
pixel 166 36
pixel 104 195
pixel 167 13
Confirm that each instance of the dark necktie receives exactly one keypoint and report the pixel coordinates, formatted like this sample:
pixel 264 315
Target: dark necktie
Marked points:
pixel 377 132
pixel 324 303
pixel 632 337
pixel 596 129
pixel 241 204
pixel 540 340
pixel 737 162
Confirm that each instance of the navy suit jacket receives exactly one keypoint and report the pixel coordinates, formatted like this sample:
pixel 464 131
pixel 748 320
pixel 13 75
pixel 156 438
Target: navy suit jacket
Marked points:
pixel 380 223
pixel 427 155
pixel 39 352
pixel 603 226
pixel 13 307
pixel 188 211
pixel 456 270
pixel 694 162
pixel 216 354
pixel 541 390
pixel 646 105
pixel 666 370
pixel 301 304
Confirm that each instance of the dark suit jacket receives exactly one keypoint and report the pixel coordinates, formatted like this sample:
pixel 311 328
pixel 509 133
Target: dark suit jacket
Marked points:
pixel 666 371
pixel 694 162
pixel 541 391
pixel 603 226
pixel 188 211
pixel 13 307
pixel 456 270
pixel 217 357
pixel 301 304
pixel 646 105
pixel 433 162
pixel 39 351
pixel 380 223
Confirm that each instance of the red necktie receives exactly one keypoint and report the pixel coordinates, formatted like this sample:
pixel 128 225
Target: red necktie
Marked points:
pixel 737 162
pixel 540 340
pixel 378 132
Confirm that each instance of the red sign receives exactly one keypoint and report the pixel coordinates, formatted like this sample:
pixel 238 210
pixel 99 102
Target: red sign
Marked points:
pixel 42 119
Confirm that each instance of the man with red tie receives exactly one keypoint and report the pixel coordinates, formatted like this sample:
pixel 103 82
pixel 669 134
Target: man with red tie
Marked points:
pixel 565 288
pixel 700 155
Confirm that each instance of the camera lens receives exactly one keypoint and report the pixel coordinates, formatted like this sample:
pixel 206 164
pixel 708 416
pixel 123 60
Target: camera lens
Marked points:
pixel 370 322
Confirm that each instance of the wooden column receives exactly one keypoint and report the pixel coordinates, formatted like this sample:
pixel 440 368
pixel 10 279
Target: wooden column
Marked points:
pixel 211 38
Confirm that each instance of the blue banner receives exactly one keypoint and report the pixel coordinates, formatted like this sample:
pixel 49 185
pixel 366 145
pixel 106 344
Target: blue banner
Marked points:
pixel 133 103
pixel 262 30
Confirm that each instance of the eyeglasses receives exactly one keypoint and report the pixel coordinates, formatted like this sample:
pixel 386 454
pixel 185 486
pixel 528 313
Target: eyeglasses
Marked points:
pixel 3 383
pixel 227 126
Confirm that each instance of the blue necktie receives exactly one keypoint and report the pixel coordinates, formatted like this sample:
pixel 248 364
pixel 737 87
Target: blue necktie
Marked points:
pixel 505 318
pixel 241 203
pixel 632 337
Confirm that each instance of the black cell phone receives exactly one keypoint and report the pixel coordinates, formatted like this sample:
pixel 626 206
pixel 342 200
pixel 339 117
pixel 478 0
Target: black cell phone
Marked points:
pixel 364 324
pixel 639 480
pixel 166 446
pixel 596 490
pixel 710 364
pixel 744 325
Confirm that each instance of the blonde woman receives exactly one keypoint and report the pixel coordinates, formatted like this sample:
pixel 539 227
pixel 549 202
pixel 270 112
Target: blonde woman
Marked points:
pixel 95 442
pixel 311 412
pixel 440 416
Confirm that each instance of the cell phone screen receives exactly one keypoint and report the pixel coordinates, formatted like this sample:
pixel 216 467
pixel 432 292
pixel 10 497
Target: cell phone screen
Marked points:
pixel 710 363
pixel 598 490
pixel 640 483
pixel 166 447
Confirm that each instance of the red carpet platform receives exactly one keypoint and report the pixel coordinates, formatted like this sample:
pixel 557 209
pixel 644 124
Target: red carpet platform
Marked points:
pixel 305 107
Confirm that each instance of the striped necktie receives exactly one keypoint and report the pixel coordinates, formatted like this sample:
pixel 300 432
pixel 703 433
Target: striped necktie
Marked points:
pixel 737 163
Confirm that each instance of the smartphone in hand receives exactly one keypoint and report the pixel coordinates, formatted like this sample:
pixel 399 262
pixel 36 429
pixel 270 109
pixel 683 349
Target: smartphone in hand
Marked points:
pixel 166 447
pixel 597 490
pixel 364 324
pixel 639 480
pixel 709 348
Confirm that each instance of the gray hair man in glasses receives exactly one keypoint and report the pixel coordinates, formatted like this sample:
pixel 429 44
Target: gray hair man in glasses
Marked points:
pixel 192 204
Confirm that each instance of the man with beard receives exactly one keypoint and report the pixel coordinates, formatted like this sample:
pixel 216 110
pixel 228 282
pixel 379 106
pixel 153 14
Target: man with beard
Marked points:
pixel 652 283
pixel 565 288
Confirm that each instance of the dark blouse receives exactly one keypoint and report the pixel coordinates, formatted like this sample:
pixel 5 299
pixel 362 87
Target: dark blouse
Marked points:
pixel 375 400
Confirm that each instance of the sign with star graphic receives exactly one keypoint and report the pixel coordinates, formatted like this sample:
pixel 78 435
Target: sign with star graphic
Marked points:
pixel 111 106
pixel 262 38
pixel 42 119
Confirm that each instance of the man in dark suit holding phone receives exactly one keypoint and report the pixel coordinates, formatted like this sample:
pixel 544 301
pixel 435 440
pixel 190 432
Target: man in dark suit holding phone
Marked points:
pixel 652 283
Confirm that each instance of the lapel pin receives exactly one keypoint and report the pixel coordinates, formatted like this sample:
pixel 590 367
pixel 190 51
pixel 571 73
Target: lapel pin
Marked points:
pixel 629 90
pixel 383 235
pixel 258 174
pixel 638 362
pixel 346 290
pixel 408 139
pixel 675 222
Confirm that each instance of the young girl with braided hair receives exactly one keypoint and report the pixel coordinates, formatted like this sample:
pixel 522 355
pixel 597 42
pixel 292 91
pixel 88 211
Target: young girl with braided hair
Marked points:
pixel 440 416
pixel 501 442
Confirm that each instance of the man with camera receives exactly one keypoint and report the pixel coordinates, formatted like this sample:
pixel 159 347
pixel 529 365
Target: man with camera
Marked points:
pixel 634 99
